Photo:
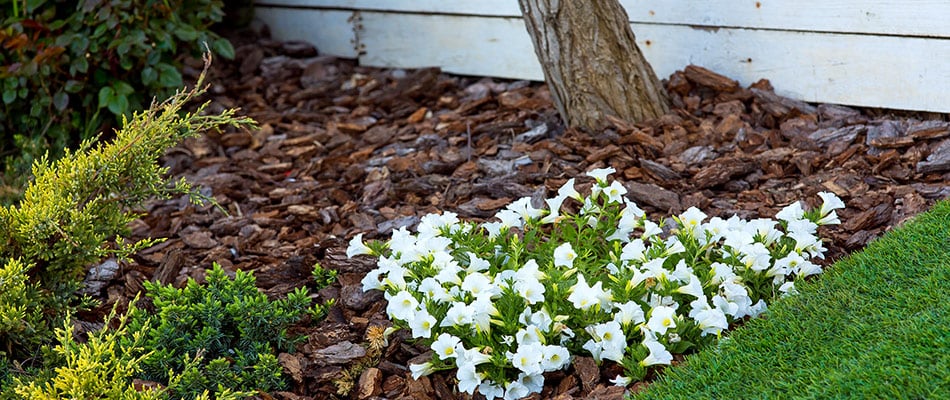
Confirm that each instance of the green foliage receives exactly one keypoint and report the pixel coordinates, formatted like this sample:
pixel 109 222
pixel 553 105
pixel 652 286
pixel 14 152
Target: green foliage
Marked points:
pixel 76 212
pixel 323 278
pixel 71 67
pixel 874 327
pixel 97 369
pixel 224 332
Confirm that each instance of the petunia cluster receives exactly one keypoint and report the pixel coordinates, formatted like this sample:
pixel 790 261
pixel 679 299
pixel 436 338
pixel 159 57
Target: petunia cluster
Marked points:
pixel 505 301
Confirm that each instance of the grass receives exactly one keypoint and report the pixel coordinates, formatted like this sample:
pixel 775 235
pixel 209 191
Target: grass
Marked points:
pixel 876 326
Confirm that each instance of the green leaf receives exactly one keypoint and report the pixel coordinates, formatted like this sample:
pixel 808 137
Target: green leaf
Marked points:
pixel 168 76
pixel 123 88
pixel 60 101
pixel 105 94
pixel 186 33
pixel 223 47
pixel 9 96
pixel 119 104
pixel 149 75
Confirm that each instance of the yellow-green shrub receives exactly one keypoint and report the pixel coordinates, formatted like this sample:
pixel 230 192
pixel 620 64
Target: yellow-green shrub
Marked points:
pixel 76 212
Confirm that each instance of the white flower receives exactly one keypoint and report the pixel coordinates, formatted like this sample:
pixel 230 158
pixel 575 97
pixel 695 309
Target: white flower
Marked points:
pixel 493 229
pixel 530 289
pixel 554 209
pixel 516 390
pixel 468 378
pixel 788 289
pixel 541 319
pixel 584 296
pixel 693 288
pixel 371 280
pixel 710 320
pixel 529 334
pixel 445 345
pixel 421 323
pixel 629 313
pixel 791 212
pixel 765 230
pixel 808 268
pixel 600 174
pixel 431 224
pixel 721 273
pixel 692 220
pixel 554 357
pixel 650 228
pixel 633 250
pixel 621 380
pixel 567 190
pixel 434 290
pixel 615 192
pixel 357 248
pixel 509 218
pixel 476 264
pixel 755 256
pixel 491 390
pixel 479 285
pixel 420 370
pixel 829 204
pixel 661 319
pixel 673 246
pixel 402 241
pixel 534 382
pixel 564 256
pixel 471 356
pixel 402 305
pixel 802 227
pixel 658 354
pixel 611 339
pixel 528 358
pixel 459 314
pixel 524 209
pixel 449 275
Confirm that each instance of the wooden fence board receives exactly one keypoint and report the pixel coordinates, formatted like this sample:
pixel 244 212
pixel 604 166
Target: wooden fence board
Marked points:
pixel 329 30
pixel 886 17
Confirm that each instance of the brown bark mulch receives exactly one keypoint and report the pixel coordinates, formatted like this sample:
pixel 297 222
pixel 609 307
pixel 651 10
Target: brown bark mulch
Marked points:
pixel 344 149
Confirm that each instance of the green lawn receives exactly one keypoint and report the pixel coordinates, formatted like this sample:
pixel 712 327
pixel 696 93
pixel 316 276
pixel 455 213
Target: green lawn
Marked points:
pixel 875 326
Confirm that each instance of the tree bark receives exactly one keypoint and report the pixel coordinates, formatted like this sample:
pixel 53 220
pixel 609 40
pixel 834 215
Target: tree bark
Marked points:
pixel 591 62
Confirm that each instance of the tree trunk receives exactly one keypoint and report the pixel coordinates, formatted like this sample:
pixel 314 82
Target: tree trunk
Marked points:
pixel 591 62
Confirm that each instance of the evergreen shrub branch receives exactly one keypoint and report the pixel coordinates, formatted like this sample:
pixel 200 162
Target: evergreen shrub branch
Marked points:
pixel 77 210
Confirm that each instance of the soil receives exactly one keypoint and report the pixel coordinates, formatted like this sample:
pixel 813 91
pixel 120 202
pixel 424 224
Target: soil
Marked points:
pixel 344 149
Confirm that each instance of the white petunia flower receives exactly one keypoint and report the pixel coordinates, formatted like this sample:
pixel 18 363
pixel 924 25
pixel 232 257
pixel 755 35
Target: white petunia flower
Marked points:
pixel 658 354
pixel 829 204
pixel 629 313
pixel 420 370
pixel 611 339
pixel 524 209
pixel 445 346
pixel 534 382
pixel 530 289
pixel 509 218
pixel 601 174
pixel 554 358
pixel 421 323
pixel 633 250
pixel 693 288
pixel 584 296
pixel 564 256
pixel 788 289
pixel 528 358
pixel 554 209
pixel 567 190
pixel 650 229
pixel 469 378
pixel 479 285
pixel 692 220
pixel 357 248
pixel 459 314
pixel 529 334
pixel 615 192
pixel 516 390
pixel 491 390
pixel 791 212
pixel 621 380
pixel 661 319
pixel 402 305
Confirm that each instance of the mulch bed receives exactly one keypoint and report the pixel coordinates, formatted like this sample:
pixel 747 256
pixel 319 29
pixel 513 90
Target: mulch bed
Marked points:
pixel 344 149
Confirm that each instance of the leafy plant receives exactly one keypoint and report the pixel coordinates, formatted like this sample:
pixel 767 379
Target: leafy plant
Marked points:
pixel 77 211
pixel 223 333
pixel 69 68
pixel 503 302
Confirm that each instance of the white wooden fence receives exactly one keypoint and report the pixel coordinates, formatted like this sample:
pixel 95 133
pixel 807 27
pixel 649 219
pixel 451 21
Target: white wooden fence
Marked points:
pixel 892 54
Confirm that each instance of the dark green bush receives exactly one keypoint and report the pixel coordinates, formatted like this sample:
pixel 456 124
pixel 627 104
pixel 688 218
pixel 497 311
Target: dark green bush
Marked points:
pixel 228 326
pixel 69 68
